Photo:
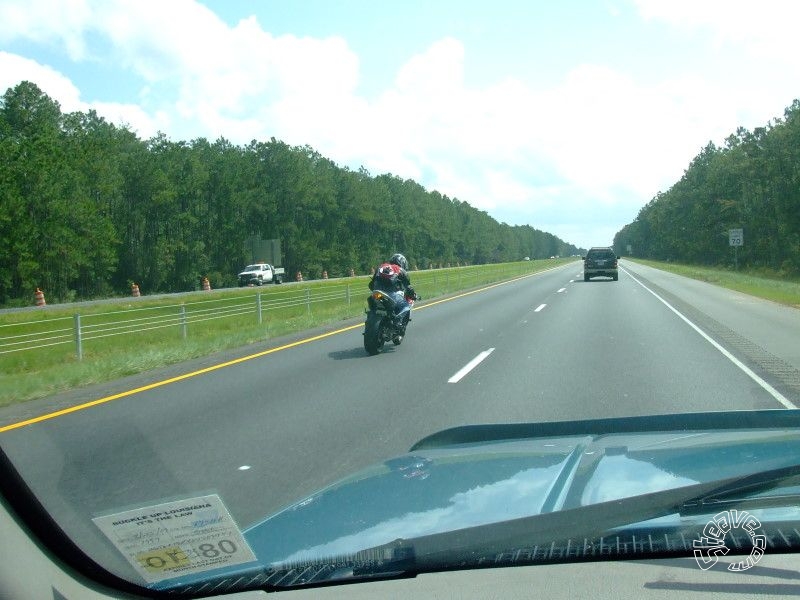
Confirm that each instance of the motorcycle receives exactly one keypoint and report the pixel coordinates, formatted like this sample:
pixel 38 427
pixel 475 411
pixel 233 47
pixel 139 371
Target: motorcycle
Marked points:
pixel 383 324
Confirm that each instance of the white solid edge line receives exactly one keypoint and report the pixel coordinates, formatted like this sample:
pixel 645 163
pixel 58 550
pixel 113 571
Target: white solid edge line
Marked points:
pixel 470 365
pixel 540 307
pixel 766 386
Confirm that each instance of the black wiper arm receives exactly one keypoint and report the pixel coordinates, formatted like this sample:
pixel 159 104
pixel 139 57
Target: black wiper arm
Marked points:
pixel 715 505
pixel 735 494
pixel 437 551
pixel 403 558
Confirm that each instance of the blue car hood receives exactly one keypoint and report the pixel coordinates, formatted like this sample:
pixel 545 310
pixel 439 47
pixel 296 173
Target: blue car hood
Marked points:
pixel 473 477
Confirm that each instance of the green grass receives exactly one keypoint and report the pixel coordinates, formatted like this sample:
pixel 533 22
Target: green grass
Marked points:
pixel 42 372
pixel 763 285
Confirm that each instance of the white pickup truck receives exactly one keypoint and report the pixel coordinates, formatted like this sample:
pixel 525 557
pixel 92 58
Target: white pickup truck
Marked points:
pixel 261 273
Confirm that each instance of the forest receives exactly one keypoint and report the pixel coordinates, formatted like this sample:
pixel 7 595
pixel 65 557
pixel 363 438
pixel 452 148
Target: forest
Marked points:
pixel 751 183
pixel 87 208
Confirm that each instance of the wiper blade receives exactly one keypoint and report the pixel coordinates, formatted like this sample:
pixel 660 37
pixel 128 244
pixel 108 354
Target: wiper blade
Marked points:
pixel 461 547
pixel 464 548
pixel 715 505
pixel 738 494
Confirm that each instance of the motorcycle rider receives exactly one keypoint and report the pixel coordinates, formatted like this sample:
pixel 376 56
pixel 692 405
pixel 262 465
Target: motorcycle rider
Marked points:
pixel 392 278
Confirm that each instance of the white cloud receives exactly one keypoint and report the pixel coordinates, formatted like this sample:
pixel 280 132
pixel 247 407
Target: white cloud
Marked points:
pixel 606 131
pixel 436 74
pixel 47 23
pixel 521 495
pixel 766 27
pixel 14 69
pixel 599 132
pixel 750 73
pixel 194 65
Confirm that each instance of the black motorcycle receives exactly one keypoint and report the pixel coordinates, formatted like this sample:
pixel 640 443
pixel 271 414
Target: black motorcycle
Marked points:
pixel 384 321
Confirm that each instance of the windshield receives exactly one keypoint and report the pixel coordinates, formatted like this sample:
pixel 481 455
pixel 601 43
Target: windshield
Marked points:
pixel 528 277
pixel 600 254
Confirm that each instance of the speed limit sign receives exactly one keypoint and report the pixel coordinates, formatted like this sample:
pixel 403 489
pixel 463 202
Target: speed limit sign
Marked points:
pixel 736 237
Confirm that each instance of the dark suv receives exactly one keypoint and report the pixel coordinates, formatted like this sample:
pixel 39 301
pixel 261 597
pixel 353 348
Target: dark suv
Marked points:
pixel 600 261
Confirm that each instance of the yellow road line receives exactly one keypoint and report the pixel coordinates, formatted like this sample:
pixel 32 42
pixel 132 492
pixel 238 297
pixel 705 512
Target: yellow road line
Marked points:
pixel 157 384
pixel 236 361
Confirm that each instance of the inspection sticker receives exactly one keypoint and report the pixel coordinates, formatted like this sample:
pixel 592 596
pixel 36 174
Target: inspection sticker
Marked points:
pixel 177 538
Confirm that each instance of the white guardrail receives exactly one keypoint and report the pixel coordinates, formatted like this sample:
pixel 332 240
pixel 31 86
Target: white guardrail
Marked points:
pixel 85 328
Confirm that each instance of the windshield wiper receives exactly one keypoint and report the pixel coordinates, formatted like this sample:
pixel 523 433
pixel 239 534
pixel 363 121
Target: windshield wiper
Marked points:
pixel 469 547
pixel 739 493
pixel 461 547
pixel 715 505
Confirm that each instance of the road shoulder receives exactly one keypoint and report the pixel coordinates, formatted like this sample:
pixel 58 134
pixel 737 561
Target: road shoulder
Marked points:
pixel 761 332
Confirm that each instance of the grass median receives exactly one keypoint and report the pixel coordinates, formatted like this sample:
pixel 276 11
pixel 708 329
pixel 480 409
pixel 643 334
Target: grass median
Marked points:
pixel 141 334
pixel 769 286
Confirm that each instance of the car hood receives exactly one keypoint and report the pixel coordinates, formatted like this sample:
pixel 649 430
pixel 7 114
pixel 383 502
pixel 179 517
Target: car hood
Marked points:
pixel 472 478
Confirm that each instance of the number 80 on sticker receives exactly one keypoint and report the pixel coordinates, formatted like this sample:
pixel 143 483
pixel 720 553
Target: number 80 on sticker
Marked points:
pixel 174 557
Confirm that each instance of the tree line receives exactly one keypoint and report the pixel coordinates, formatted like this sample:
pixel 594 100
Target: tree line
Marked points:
pixel 751 183
pixel 87 208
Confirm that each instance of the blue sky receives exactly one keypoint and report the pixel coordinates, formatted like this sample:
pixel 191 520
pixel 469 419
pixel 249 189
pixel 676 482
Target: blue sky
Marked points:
pixel 567 116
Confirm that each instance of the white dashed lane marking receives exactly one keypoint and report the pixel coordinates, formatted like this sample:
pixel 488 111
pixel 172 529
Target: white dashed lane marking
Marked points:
pixel 470 365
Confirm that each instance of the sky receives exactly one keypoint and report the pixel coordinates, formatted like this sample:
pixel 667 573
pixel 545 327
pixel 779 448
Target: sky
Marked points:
pixel 568 116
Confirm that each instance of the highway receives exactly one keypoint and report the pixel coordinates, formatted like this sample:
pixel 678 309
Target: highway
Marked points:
pixel 265 432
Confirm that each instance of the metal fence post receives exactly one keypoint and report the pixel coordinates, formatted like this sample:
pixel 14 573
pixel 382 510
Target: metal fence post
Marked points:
pixel 308 300
pixel 78 340
pixel 348 294
pixel 258 308
pixel 183 321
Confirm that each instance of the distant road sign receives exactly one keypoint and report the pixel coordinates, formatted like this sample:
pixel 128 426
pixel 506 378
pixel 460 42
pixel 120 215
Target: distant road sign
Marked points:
pixel 736 237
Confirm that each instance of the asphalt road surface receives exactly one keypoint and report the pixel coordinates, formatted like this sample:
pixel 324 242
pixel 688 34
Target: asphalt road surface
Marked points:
pixel 265 432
